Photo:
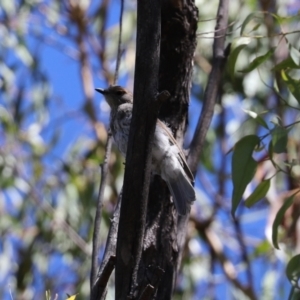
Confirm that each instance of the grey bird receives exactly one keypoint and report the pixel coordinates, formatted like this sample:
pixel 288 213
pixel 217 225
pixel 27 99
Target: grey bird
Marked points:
pixel 168 160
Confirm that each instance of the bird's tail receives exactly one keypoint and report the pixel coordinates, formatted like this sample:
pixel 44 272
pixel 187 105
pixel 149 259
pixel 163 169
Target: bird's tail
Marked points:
pixel 183 193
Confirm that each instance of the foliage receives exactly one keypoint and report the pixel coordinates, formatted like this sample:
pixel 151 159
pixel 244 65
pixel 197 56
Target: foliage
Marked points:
pixel 285 89
pixel 52 137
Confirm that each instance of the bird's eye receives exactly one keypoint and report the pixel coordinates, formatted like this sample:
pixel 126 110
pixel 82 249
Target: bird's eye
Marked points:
pixel 120 93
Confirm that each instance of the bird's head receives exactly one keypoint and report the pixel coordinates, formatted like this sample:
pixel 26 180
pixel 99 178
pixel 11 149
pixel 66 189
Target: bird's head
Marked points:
pixel 115 95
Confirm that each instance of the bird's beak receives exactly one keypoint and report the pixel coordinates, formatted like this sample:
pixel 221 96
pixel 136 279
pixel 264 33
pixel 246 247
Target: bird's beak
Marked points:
pixel 102 91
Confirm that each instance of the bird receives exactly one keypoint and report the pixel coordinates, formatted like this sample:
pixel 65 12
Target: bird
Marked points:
pixel 168 160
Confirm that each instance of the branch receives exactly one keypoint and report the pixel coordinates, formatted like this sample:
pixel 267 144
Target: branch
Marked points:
pixel 100 286
pixel 211 92
pixel 77 16
pixel 111 243
pixel 96 243
pixel 58 223
pixel 245 257
pixel 138 159
pixel 228 268
pixel 119 43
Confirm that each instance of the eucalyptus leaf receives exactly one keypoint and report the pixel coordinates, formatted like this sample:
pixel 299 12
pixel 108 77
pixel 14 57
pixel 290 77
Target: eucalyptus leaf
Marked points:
pixel 257 118
pixel 259 193
pixel 279 139
pixel 243 167
pixel 237 46
pixel 248 19
pixel 293 270
pixel 258 61
pixel 295 55
pixel 293 84
pixel 287 63
pixel 279 217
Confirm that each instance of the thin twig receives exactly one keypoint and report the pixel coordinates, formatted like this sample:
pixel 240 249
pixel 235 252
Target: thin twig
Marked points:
pixel 218 30
pixel 96 244
pixel 111 243
pixel 245 257
pixel 43 204
pixel 104 171
pixel 228 268
pixel 116 77
pixel 211 92
pixel 39 200
pixel 107 270
pixel 99 288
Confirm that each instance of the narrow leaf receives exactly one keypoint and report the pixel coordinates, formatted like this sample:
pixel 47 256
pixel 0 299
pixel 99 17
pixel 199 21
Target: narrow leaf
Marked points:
pixel 295 55
pixel 24 55
pixel 287 63
pixel 258 61
pixel 278 219
pixel 293 270
pixel 259 193
pixel 279 139
pixel 271 152
pixel 293 85
pixel 237 46
pixel 249 18
pixel 257 118
pixel 255 27
pixel 262 248
pixel 243 167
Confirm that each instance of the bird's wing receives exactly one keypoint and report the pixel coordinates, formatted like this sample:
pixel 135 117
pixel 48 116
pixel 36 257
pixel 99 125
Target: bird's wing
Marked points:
pixel 181 154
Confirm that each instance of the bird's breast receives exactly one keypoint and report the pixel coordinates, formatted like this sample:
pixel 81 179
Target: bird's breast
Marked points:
pixel 120 125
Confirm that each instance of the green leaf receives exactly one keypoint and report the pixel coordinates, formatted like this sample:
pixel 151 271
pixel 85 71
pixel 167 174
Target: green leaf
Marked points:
pixel 262 249
pixel 256 117
pixel 249 18
pixel 259 193
pixel 295 55
pixel 294 294
pixel 285 19
pixel 237 46
pixel 293 270
pixel 258 61
pixel 48 295
pixel 24 55
pixel 243 167
pixel 287 63
pixel 278 219
pixel 279 139
pixel 271 152
pixel 293 84
pixel 255 27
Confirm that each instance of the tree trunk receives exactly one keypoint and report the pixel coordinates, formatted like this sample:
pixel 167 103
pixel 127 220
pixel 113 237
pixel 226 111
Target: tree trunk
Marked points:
pixel 148 249
pixel 161 250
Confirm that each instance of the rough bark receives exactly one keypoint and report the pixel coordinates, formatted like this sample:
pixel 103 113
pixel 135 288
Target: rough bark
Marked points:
pixel 178 43
pixel 147 247
pixel 161 247
pixel 220 55
pixel 138 159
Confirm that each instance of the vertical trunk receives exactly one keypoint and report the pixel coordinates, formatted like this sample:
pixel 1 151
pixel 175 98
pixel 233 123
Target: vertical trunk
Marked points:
pixel 162 246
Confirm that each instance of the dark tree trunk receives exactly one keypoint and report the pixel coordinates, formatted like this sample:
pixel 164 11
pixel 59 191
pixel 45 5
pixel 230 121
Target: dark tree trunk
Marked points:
pixel 132 223
pixel 153 242
pixel 178 43
pixel 162 241
pixel 148 247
